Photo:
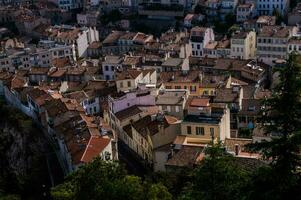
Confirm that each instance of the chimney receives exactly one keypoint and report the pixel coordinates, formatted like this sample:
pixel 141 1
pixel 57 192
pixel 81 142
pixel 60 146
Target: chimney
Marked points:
pixel 236 149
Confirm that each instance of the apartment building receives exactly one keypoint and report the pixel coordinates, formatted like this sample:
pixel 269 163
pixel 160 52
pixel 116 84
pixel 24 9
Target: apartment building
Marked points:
pixel 245 11
pixel 124 108
pixel 81 38
pixel 218 49
pixel 199 38
pixel 205 121
pixel 110 65
pixel 272 42
pixel 68 4
pixel 172 101
pixel 130 79
pixel 294 45
pixel 266 7
pixel 195 81
pixel 243 45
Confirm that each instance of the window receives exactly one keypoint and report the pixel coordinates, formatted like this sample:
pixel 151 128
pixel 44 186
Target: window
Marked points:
pixel 90 101
pixel 129 83
pixel 94 109
pixel 168 108
pixel 189 130
pixel 192 88
pixel 198 46
pixel 177 87
pixel 121 84
pixel 177 109
pixel 211 132
pixel 106 68
pixel 200 130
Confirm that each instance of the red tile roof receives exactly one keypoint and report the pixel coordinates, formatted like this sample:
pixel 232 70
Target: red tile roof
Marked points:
pixel 199 102
pixel 95 146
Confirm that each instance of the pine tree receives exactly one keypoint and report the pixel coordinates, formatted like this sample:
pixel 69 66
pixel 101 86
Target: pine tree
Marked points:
pixel 281 118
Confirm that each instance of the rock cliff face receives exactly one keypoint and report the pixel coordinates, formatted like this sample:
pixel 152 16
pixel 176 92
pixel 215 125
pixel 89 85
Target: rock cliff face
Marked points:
pixel 22 153
pixel 19 148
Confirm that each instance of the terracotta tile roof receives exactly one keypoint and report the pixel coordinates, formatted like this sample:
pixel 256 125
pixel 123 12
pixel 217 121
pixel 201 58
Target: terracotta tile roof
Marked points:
pixel 275 31
pixel 38 70
pixel 75 71
pixel 250 107
pixel 187 156
pixel 79 96
pixel 55 108
pixel 171 119
pixel 39 96
pixel 128 74
pixel 141 38
pixel 95 45
pixel 126 113
pixel 171 97
pixel 132 60
pixel 17 82
pixel 6 77
pixel 127 36
pixel 22 72
pixel 235 81
pixel 226 95
pixel 57 73
pixel 95 146
pixel 61 62
pixel 113 37
pixel 50 85
pixel 199 102
pixel 73 105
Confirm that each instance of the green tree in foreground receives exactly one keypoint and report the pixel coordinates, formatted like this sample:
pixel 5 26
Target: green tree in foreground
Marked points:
pixel 281 116
pixel 103 180
pixel 217 177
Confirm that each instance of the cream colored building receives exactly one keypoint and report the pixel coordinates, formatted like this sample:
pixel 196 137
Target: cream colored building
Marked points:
pixel 128 80
pixel 243 45
pixel 206 122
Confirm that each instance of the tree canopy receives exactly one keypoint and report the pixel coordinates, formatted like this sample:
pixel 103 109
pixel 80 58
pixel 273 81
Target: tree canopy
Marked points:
pixel 107 180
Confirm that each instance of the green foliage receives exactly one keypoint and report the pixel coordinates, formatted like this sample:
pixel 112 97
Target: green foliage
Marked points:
pixel 113 16
pixel 224 27
pixel 158 192
pixel 217 177
pixel 198 9
pixel 10 197
pixel 279 17
pixel 106 180
pixel 281 116
pixel 245 132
